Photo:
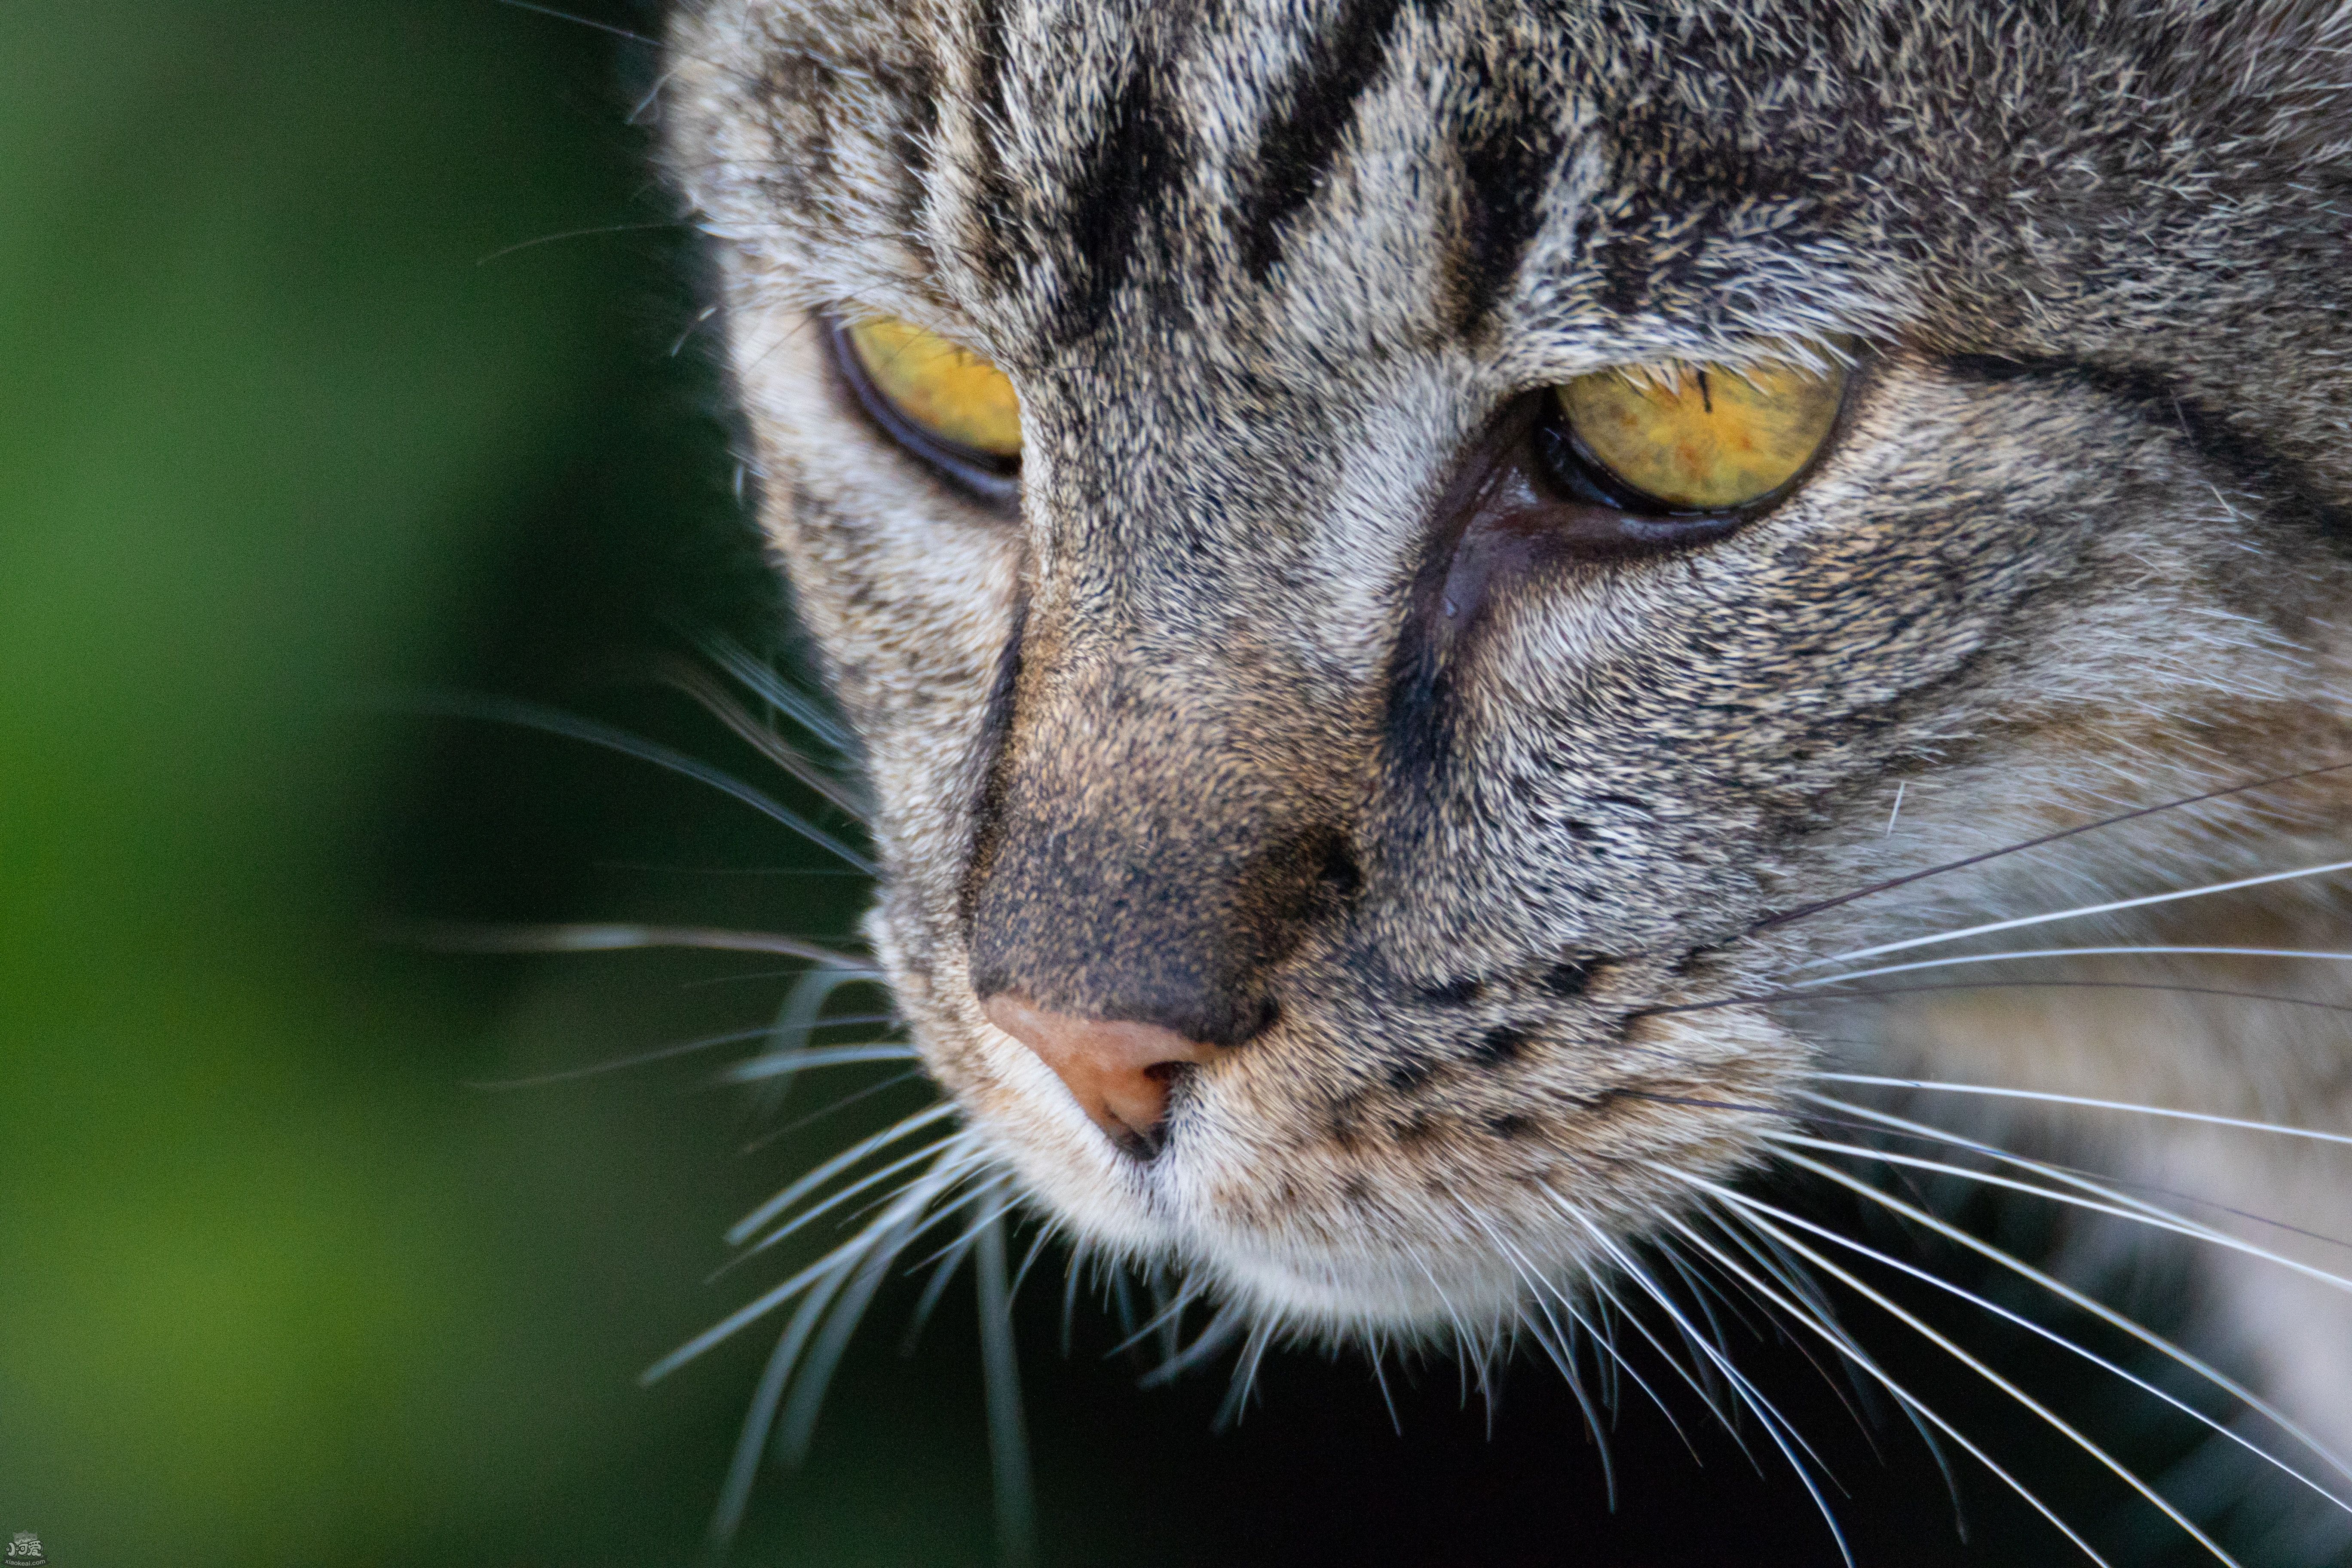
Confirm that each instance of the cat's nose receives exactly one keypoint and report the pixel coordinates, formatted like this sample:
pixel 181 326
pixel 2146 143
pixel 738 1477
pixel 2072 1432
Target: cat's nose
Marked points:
pixel 1119 1072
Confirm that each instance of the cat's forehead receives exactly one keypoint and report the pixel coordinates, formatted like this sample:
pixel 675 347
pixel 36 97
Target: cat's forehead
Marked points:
pixel 1393 173
pixel 1335 180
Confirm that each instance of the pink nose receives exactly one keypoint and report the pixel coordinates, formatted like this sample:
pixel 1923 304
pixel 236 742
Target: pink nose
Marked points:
pixel 1119 1072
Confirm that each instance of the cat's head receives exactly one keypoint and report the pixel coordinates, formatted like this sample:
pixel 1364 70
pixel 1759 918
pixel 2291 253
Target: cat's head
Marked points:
pixel 1317 735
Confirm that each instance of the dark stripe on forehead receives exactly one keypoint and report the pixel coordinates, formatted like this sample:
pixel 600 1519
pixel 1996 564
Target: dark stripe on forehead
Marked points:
pixel 1510 148
pixel 1003 249
pixel 1296 150
pixel 917 89
pixel 1136 157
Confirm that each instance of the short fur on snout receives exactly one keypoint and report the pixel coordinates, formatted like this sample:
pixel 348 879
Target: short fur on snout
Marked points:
pixel 1468 888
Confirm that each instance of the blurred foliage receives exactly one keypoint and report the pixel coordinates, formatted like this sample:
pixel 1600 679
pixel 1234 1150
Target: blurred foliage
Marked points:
pixel 352 352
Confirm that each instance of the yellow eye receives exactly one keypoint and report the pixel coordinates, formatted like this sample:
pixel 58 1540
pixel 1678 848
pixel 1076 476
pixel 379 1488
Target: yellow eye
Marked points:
pixel 1704 438
pixel 947 394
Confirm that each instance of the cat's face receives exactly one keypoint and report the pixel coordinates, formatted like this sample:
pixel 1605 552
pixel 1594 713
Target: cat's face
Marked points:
pixel 1273 712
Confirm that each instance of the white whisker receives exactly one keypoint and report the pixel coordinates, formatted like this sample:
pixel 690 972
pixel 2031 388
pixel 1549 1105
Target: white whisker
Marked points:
pixel 554 721
pixel 774 690
pixel 1244 1378
pixel 1036 1249
pixel 1225 1326
pixel 1073 1268
pixel 808 1215
pixel 783 1064
pixel 2047 1098
pixel 1541 1287
pixel 953 1162
pixel 797 1423
pixel 841 1162
pixel 2104 1313
pixel 617 1064
pixel 1768 1215
pixel 1008 1436
pixel 832 1107
pixel 943 1265
pixel 1166 1323
pixel 759 1417
pixel 2144 950
pixel 1840 1342
pixel 1726 1417
pixel 2122 1206
pixel 1858 1119
pixel 2080 912
pixel 1776 1426
pixel 699 684
pixel 1555 1344
pixel 459 936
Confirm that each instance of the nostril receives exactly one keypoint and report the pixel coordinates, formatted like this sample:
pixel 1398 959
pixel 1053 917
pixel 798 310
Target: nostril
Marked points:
pixel 1119 1072
pixel 1338 872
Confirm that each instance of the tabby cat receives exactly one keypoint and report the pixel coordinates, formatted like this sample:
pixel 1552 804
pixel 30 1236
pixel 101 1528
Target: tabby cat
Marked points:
pixel 1473 622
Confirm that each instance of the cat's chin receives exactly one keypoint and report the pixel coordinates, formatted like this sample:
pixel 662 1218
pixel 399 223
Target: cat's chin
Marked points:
pixel 1438 1299
pixel 1425 1293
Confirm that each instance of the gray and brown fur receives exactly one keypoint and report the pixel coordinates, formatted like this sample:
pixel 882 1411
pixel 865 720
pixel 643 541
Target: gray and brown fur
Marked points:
pixel 1190 735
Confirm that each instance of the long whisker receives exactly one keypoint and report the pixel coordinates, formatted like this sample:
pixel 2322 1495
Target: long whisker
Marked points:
pixel 555 721
pixel 799 1017
pixel 759 1417
pixel 2080 912
pixel 720 704
pixel 1704 1287
pixel 1858 1118
pixel 955 1157
pixel 1628 1266
pixel 1701 1384
pixel 537 240
pixel 1554 1344
pixel 617 1064
pixel 1540 1287
pixel 1776 1426
pixel 2105 1314
pixel 1222 1328
pixel 2277 1129
pixel 783 1064
pixel 841 1162
pixel 815 1212
pixel 459 936
pixel 1839 1340
pixel 1863 1119
pixel 2121 1206
pixel 1768 1215
pixel 1037 1250
pixel 1906 879
pixel 774 690
pixel 797 1423
pixel 2067 953
pixel 943 1265
pixel 622 33
pixel 832 1107
pixel 1008 1436
pixel 1237 1391
pixel 870 1254
pixel 1792 993
pixel 1162 1322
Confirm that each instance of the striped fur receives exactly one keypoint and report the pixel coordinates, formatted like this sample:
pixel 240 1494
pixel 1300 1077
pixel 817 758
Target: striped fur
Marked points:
pixel 1230 724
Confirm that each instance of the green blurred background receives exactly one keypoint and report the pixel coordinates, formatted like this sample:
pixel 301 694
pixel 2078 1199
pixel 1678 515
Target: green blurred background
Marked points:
pixel 303 406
